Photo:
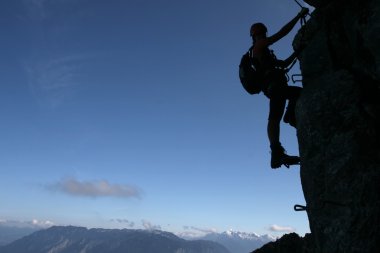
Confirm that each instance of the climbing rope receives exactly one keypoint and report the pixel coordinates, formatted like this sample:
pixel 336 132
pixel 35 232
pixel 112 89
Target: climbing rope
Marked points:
pixel 303 23
pixel 291 66
pixel 300 5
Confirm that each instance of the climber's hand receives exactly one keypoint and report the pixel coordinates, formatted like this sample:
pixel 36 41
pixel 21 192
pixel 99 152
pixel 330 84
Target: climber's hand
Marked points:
pixel 303 12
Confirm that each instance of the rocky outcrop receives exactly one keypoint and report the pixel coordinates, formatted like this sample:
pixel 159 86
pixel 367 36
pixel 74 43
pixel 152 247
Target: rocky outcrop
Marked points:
pixel 289 243
pixel 338 117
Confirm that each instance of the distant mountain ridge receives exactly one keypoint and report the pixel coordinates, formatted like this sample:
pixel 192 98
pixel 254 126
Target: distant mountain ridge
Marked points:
pixel 9 234
pixel 239 242
pixel 71 239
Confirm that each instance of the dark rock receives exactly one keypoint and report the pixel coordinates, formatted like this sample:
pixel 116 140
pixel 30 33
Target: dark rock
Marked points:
pixel 338 117
pixel 315 3
pixel 289 243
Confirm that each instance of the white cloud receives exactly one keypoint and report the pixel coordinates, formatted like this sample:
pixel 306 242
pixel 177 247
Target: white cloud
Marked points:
pixel 203 230
pixel 277 228
pixel 189 235
pixel 149 226
pixel 52 79
pixel 52 73
pixel 46 223
pixel 27 224
pixel 125 222
pixel 191 232
pixel 100 188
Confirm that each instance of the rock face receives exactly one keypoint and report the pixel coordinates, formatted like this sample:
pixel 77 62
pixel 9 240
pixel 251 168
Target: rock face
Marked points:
pixel 338 117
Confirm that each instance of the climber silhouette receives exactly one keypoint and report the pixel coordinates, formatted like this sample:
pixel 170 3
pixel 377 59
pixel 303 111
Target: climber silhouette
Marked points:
pixel 275 86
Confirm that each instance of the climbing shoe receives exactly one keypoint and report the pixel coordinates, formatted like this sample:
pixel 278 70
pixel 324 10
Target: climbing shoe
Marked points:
pixel 279 157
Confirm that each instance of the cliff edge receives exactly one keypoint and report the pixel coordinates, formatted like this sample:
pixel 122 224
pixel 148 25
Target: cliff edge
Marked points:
pixel 338 117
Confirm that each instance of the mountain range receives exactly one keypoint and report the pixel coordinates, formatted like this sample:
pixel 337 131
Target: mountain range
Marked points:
pixel 239 242
pixel 233 241
pixel 9 234
pixel 78 239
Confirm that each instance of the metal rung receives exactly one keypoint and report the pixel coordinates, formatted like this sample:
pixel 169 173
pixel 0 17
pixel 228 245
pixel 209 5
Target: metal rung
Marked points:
pixel 300 208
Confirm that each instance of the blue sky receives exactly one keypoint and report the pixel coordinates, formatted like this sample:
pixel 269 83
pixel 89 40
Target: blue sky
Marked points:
pixel 130 114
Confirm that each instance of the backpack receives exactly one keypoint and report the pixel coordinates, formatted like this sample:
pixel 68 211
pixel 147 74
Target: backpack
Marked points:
pixel 249 74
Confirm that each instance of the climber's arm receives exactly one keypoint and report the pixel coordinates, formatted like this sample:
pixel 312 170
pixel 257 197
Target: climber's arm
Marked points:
pixel 287 28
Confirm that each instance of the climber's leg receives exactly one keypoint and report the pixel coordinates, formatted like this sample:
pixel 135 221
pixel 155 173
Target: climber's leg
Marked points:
pixel 276 110
pixel 292 93
pixel 278 156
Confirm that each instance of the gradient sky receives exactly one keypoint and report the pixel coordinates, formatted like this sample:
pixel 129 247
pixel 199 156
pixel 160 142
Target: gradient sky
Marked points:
pixel 129 113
